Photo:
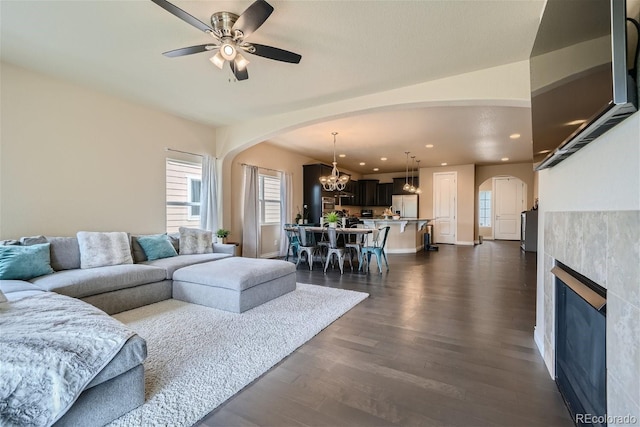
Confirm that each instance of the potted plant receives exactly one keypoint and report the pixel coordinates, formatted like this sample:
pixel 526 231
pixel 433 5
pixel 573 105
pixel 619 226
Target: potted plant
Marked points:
pixel 332 218
pixel 222 235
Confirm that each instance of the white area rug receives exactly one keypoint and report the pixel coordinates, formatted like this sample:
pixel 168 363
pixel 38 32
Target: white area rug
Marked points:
pixel 198 357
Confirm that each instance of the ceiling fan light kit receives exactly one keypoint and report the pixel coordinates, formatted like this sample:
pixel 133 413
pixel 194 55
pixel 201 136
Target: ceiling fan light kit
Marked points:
pixel 230 31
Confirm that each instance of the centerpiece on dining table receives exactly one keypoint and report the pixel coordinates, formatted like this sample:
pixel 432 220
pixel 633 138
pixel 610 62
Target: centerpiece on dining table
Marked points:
pixel 332 219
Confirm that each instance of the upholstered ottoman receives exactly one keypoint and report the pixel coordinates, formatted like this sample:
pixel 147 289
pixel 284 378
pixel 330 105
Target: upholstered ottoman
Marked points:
pixel 234 284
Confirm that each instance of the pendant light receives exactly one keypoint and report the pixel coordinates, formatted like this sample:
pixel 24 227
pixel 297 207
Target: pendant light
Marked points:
pixel 335 181
pixel 418 190
pixel 412 189
pixel 406 174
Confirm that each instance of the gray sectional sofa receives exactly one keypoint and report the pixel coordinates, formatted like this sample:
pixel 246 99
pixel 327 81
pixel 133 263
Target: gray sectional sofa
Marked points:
pixel 119 387
pixel 113 288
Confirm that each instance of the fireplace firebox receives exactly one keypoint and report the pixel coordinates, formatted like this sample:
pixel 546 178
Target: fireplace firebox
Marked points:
pixel 581 346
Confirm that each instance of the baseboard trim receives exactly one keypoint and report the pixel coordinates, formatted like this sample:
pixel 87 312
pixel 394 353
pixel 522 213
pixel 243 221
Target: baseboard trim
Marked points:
pixel 270 255
pixel 539 341
pixel 404 250
pixel 464 243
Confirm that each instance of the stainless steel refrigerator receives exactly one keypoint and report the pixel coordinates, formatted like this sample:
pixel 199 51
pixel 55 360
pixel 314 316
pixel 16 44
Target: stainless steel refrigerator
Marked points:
pixel 406 204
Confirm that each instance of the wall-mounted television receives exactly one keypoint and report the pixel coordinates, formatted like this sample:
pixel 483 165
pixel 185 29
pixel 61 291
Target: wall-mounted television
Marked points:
pixel 580 87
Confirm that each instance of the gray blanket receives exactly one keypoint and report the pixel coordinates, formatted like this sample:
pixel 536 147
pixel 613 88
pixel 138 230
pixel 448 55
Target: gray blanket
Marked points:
pixel 51 347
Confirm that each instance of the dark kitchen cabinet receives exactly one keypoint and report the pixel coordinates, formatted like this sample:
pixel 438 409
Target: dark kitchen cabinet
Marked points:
pixel 398 183
pixel 368 192
pixel 385 191
pixel 312 190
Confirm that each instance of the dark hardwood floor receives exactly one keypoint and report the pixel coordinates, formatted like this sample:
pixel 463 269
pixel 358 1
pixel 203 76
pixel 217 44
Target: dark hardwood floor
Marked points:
pixel 445 339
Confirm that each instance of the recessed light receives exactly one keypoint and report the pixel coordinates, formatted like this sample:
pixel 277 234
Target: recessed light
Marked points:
pixel 504 159
pixel 362 163
pixel 376 169
pixel 342 155
pixel 514 136
pixel 443 164
pixel 429 145
pixel 384 159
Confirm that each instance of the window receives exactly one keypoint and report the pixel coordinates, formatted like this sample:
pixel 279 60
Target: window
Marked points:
pixel 183 185
pixel 269 199
pixel 194 184
pixel 485 209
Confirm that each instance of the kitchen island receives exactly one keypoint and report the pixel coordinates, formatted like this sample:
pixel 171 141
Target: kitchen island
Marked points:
pixel 406 235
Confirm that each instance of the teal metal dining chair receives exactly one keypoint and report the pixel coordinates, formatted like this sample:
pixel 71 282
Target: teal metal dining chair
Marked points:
pixel 377 249
pixel 355 244
pixel 293 247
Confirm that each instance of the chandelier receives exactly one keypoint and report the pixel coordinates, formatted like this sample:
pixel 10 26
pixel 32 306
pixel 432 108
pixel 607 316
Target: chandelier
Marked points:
pixel 335 181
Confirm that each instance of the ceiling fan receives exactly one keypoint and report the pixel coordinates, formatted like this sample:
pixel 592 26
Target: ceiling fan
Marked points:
pixel 229 30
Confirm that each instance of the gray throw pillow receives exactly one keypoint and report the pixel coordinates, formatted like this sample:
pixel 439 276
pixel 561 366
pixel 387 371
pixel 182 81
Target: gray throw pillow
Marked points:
pixel 136 249
pixel 174 238
pixel 103 249
pixel 33 240
pixel 65 253
pixel 195 241
pixel 9 242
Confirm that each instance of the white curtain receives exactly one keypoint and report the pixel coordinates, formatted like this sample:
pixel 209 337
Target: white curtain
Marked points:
pixel 209 195
pixel 286 203
pixel 250 213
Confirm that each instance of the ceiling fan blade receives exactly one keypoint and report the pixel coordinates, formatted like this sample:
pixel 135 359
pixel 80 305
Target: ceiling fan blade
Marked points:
pixel 189 50
pixel 276 53
pixel 253 17
pixel 171 8
pixel 240 73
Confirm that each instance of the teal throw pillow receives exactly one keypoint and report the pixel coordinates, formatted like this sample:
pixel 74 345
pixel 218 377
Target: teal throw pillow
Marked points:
pixel 24 262
pixel 157 246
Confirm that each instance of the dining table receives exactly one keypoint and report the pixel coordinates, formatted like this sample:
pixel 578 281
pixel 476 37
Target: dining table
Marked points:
pixel 340 231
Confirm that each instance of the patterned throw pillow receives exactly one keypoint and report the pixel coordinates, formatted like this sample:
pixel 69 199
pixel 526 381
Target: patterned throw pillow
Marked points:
pixel 102 249
pixel 195 241
pixel 157 246
pixel 24 262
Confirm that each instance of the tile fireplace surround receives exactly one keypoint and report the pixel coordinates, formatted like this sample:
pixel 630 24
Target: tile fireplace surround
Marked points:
pixel 605 247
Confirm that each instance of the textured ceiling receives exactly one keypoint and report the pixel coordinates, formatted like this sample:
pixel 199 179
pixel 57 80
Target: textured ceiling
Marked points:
pixel 348 48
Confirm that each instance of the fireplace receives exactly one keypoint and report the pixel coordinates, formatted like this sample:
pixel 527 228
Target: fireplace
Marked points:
pixel 581 346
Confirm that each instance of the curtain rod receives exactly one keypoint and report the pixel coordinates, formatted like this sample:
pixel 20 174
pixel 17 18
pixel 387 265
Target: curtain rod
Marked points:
pixel 186 152
pixel 260 167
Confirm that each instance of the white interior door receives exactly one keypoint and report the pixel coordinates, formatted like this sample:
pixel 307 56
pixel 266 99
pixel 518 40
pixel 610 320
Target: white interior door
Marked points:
pixel 508 204
pixel 444 207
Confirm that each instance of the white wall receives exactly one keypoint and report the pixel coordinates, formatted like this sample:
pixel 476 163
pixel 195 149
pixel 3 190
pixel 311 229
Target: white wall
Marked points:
pixel 604 179
pixel 76 159
pixel 603 176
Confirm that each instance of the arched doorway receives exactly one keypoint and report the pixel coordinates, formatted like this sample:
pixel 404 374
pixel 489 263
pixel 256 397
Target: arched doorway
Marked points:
pixel 501 199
